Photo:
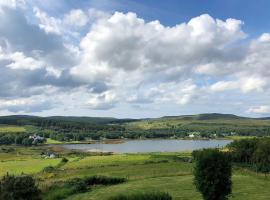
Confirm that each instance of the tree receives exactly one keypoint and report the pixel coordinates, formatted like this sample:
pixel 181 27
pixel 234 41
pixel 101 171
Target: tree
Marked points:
pixel 213 171
pixel 243 150
pixel 261 156
pixel 18 188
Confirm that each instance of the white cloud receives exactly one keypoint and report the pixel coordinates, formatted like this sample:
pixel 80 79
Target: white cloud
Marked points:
pixel 104 101
pixel 76 18
pixel 127 45
pixel 181 93
pixel 12 3
pixel 48 23
pixel 260 109
pixel 28 105
pixel 20 61
pixel 125 59
pixel 127 42
pixel 245 84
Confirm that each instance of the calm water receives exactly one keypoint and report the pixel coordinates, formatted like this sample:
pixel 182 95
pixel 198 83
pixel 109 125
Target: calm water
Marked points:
pixel 136 146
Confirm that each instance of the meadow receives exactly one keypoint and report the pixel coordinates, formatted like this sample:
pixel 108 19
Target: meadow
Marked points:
pixel 168 172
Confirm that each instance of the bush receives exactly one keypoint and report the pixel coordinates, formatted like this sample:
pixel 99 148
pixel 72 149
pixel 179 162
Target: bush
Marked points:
pixel 143 196
pixel 78 185
pixel 58 193
pixel 18 188
pixel 103 180
pixel 48 169
pixel 213 171
pixel 64 160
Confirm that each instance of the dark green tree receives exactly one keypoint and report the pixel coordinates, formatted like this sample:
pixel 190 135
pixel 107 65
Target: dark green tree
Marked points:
pixel 18 188
pixel 213 171
pixel 243 150
pixel 261 156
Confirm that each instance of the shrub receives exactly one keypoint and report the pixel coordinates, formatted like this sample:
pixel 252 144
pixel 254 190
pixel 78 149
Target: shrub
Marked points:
pixel 103 180
pixel 143 196
pixel 64 160
pixel 48 169
pixel 58 193
pixel 78 185
pixel 213 171
pixel 19 188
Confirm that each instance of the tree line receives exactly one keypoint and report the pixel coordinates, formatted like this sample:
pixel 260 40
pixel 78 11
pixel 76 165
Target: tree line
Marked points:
pixel 253 153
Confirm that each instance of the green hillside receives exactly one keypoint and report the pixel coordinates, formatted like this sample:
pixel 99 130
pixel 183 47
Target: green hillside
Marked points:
pixel 205 123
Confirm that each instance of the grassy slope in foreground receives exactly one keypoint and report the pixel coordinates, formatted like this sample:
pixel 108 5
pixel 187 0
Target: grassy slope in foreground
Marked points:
pixel 174 177
pixel 145 172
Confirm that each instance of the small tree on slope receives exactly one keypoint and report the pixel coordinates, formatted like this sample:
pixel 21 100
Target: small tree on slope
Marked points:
pixel 213 171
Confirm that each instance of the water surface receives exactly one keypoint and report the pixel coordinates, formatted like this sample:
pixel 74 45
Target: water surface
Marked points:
pixel 144 146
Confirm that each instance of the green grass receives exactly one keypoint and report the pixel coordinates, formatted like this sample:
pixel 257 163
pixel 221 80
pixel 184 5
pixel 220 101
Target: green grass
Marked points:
pixel 11 129
pixel 239 137
pixel 97 161
pixel 24 160
pixel 27 166
pixel 51 141
pixel 163 172
pixel 181 188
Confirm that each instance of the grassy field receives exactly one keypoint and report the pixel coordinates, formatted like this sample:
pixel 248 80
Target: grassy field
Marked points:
pixel 168 172
pixel 23 160
pixel 11 129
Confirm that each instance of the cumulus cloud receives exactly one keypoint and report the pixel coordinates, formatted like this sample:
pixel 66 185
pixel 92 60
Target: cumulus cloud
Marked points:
pixel 114 58
pixel 20 61
pixel 76 18
pixel 127 42
pixel 124 45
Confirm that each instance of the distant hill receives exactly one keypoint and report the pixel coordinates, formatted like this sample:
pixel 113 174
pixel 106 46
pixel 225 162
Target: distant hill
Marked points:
pixel 207 116
pixel 32 120
pixel 94 120
pixel 208 123
pixel 28 119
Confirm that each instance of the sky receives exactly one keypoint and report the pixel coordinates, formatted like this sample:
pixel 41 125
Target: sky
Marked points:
pixel 134 59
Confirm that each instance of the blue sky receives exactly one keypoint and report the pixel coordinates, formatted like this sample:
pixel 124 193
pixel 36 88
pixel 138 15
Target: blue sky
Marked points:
pixel 141 58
